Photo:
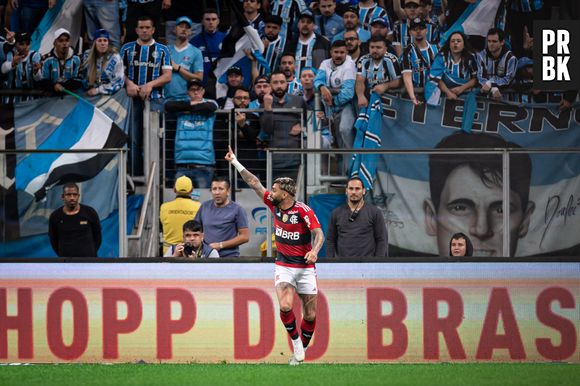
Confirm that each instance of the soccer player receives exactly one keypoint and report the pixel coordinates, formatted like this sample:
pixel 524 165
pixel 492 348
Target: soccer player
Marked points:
pixel 299 238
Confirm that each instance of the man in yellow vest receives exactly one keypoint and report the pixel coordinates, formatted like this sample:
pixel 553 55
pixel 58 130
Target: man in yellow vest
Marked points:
pixel 175 213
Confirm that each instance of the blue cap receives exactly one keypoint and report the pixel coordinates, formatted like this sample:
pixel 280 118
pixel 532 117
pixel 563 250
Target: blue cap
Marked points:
pixel 184 19
pixel 101 33
pixel 381 20
pixel 524 62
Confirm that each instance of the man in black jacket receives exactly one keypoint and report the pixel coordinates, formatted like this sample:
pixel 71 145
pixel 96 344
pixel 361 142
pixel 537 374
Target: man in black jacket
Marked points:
pixel 358 228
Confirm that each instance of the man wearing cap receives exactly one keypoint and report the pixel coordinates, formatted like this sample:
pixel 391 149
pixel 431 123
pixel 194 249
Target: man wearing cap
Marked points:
pixel 402 31
pixel 262 88
pixel 174 9
pixel 22 67
pixel 310 49
pixel 60 69
pixel 101 14
pixel 284 128
pixel 194 151
pixel 235 79
pixel 350 19
pixel 147 63
pixel 417 59
pixel 289 11
pixel 380 27
pixel 186 61
pixel 328 23
pixel 368 10
pixel 173 214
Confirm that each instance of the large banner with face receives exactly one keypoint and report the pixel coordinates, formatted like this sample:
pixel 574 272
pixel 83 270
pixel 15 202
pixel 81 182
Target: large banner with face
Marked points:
pixel 426 199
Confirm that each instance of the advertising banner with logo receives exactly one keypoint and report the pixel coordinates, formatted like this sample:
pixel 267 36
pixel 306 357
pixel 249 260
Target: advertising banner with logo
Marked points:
pixel 373 312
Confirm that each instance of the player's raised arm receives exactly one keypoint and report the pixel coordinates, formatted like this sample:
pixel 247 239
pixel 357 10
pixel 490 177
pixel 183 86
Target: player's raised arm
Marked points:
pixel 251 180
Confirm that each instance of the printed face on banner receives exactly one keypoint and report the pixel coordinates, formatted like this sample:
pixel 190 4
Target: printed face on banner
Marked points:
pixel 474 207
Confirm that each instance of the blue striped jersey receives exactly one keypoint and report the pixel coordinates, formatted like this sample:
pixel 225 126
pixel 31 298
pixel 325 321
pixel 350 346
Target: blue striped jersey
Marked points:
pixel 418 62
pixel 294 87
pixel 453 73
pixel 144 63
pixel 402 36
pixel 386 70
pixel 500 72
pixel 366 15
pixel 272 54
pixel 288 10
pixel 22 76
pixel 303 54
pixel 57 70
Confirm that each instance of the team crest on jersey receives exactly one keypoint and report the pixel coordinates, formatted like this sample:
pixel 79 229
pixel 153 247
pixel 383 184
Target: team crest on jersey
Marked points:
pixel 293 219
pixel 186 59
pixel 155 54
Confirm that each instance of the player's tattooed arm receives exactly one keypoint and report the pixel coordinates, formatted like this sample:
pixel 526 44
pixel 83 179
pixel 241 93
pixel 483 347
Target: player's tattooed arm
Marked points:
pixel 318 240
pixel 251 180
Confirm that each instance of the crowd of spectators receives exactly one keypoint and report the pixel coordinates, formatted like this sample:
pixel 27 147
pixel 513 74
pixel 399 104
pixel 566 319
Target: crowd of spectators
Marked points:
pixel 341 49
pixel 392 43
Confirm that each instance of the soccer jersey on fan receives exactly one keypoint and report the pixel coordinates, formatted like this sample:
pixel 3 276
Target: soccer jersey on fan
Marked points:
pixel 418 62
pixel 144 63
pixel 402 35
pixel 386 70
pixel 292 229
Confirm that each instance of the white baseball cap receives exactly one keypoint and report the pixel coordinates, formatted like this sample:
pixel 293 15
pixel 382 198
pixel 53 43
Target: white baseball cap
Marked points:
pixel 61 31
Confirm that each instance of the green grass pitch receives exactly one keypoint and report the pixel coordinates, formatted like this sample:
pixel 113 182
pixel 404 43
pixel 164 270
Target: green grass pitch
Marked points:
pixel 464 374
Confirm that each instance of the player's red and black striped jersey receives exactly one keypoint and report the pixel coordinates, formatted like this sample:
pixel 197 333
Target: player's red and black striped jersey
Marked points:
pixel 292 228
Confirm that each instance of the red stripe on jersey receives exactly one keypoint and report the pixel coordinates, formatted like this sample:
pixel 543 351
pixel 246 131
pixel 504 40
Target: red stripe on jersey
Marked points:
pixel 292 229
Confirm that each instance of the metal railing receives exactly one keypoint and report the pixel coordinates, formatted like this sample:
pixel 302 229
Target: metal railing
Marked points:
pixel 504 153
pixel 144 243
pixel 121 175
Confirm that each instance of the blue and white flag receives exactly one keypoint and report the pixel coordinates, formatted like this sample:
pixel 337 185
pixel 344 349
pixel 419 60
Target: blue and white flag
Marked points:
pixel 477 19
pixel 242 36
pixel 65 14
pixel 58 124
pixel 368 136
